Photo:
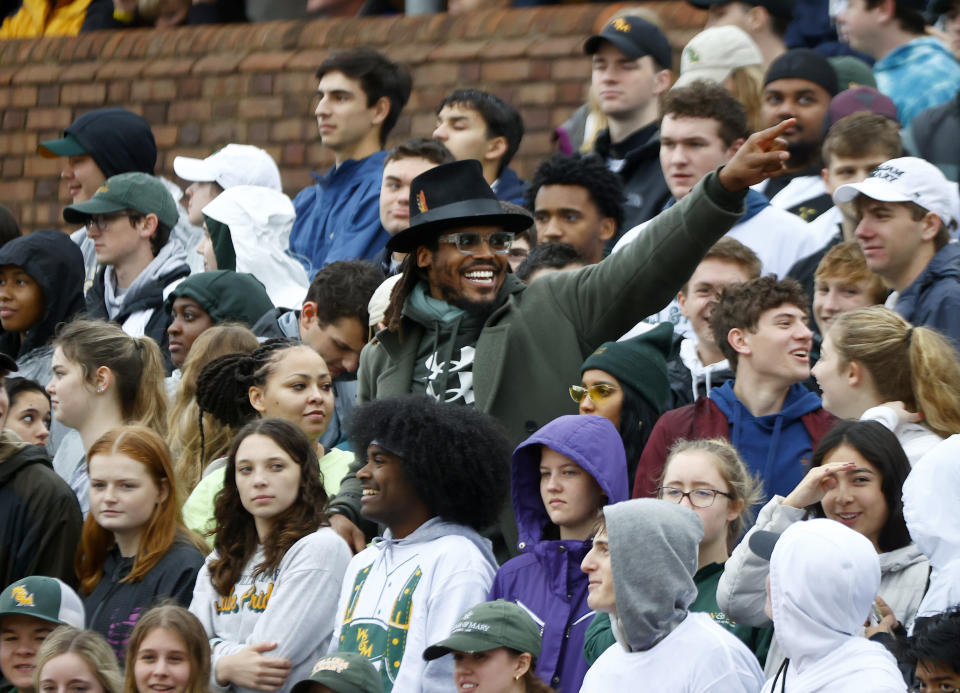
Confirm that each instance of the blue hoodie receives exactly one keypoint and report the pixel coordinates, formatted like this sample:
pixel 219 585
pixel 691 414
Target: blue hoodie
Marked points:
pixel 546 578
pixel 933 299
pixel 918 75
pixel 777 446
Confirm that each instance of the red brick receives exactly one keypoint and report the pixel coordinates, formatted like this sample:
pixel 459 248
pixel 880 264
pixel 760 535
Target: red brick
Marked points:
pixel 258 132
pixel 121 69
pixel 260 107
pixel 505 71
pixel 153 90
pixel 16 190
pixel 265 62
pixel 261 84
pixel 221 132
pixel 180 111
pixel 49 189
pixel 537 119
pixel 165 135
pixel 294 154
pixel 507 48
pixel 294 83
pixel 24 96
pixel 572 92
pixel 79 72
pixel 7 74
pixel 93 94
pixel 460 50
pixel 48 118
pixel 169 67
pixel 309 59
pixel 571 68
pixel 540 70
pixel 190 88
pixel 5 96
pixel 155 113
pixel 230 85
pixel 412 53
pixel 39 167
pixel 48 95
pixel 225 108
pixel 287 130
pixel 538 93
pixel 217 63
pixel 437 73
pixel 557 47
pixel 300 105
pixel 38 74
pixel 18 143
pixel 12 167
pixel 190 134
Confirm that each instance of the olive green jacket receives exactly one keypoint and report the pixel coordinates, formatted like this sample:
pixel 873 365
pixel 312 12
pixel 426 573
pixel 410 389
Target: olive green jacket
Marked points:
pixel 534 341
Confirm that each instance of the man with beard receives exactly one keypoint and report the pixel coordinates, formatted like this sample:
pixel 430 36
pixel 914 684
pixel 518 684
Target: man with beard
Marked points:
pixel 799 84
pixel 464 330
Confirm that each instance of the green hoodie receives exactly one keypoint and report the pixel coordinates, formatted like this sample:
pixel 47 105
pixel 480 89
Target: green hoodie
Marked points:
pixel 225 296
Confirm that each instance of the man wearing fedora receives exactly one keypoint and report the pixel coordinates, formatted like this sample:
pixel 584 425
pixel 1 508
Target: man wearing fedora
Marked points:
pixel 463 329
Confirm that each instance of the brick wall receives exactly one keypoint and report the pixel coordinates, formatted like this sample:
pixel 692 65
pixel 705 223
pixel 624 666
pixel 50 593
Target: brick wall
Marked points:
pixel 202 87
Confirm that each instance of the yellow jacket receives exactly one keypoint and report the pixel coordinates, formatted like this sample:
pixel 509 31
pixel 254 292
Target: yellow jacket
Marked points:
pixel 45 18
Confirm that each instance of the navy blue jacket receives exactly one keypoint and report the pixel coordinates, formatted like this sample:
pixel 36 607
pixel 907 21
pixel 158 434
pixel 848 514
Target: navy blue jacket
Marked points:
pixel 339 217
pixel 933 299
pixel 546 578
pixel 509 187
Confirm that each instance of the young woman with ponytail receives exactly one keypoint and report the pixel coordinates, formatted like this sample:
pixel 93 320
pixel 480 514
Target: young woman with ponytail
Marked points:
pixel 102 378
pixel 874 365
pixel 282 379
pixel 135 551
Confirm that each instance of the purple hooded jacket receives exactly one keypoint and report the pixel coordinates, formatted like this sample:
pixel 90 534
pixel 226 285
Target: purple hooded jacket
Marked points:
pixel 545 579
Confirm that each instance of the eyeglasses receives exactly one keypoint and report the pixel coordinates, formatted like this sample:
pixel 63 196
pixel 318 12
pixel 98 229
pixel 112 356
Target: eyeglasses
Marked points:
pixel 699 497
pixel 469 242
pixel 101 221
pixel 943 688
pixel 597 393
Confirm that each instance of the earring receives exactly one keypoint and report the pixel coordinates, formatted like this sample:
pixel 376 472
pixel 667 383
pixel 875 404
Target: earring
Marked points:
pixel 517 677
pixel 100 389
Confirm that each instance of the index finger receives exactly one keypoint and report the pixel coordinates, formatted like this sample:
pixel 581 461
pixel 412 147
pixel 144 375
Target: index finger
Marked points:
pixel 775 131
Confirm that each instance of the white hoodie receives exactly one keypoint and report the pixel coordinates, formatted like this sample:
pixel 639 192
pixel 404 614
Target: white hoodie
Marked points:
pixel 823 579
pixel 260 220
pixel 931 507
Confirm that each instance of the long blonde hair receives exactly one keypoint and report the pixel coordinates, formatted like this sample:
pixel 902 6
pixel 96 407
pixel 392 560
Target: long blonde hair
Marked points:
pixel 90 646
pixel 184 438
pixel 136 364
pixel 914 365
pixel 746 86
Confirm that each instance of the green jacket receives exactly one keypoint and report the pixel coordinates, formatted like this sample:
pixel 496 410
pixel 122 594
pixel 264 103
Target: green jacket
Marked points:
pixel 534 341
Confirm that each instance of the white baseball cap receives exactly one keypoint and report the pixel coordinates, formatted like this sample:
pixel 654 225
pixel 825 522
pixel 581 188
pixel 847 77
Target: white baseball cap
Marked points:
pixel 714 53
pixel 907 179
pixel 235 164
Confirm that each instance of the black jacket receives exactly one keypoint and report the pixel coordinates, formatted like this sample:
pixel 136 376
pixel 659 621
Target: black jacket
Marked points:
pixel 643 183
pixel 114 606
pixel 40 518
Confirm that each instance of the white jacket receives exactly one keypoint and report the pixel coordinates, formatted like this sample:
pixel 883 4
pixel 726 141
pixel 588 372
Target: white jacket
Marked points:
pixel 931 507
pixel 400 596
pixel 915 439
pixel 293 607
pixel 260 220
pixel 741 592
pixel 823 579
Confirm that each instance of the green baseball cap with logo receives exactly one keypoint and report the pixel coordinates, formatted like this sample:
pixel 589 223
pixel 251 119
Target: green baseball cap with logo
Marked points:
pixel 343 672
pixel 46 598
pixel 488 626
pixel 140 192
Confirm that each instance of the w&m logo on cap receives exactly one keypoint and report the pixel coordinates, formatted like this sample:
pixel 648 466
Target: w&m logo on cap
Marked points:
pixel 621 24
pixel 21 596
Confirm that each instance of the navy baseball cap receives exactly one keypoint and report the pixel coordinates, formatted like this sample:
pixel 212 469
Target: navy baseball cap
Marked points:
pixel 634 37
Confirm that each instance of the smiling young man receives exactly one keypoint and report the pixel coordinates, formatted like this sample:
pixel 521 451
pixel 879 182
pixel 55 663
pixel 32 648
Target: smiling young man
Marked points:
pixel 474 334
pixel 647 588
pixel 31 609
pixel 478 125
pixel 702 128
pixel 765 412
pixel 129 219
pixel 576 200
pixel 799 84
pixel 408 588
pixel 905 210
pixel 631 70
pixel 359 98
pixel 404 162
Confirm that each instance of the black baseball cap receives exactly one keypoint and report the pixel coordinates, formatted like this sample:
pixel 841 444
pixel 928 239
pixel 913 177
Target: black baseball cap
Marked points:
pixel 635 37
pixel 778 8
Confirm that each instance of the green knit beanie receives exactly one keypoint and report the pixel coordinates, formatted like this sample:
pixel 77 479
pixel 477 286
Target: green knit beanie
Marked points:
pixel 640 363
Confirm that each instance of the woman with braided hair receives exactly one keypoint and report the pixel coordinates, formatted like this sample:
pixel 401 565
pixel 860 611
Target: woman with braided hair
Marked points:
pixel 282 379
pixel 102 379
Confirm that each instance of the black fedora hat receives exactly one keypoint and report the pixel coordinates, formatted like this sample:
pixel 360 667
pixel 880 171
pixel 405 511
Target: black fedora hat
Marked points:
pixel 451 196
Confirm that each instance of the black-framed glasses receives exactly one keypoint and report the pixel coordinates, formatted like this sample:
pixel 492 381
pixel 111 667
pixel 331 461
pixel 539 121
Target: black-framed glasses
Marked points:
pixel 469 242
pixel 596 392
pixel 100 221
pixel 699 497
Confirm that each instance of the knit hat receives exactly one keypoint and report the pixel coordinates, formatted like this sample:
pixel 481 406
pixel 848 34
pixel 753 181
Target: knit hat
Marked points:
pixel 716 52
pixel 639 362
pixel 490 625
pixel 118 140
pixel 907 179
pixel 634 37
pixel 46 598
pixel 343 672
pixel 803 63
pixel 140 192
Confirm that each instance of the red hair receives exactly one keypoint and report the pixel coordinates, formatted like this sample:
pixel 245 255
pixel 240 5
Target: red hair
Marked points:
pixel 165 525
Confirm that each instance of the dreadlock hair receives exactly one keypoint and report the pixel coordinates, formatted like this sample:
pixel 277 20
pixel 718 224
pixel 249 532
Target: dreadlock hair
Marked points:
pixel 587 171
pixel 426 435
pixel 187 421
pixel 236 533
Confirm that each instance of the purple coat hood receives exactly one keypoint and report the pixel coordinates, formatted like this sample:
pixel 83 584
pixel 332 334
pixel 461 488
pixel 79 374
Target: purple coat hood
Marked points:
pixel 546 578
